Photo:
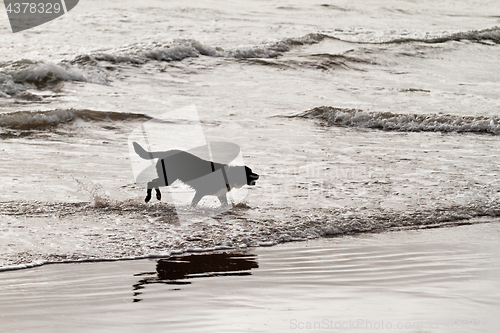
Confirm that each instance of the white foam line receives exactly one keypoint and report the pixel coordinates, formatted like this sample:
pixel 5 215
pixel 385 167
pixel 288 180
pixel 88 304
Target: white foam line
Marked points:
pixel 267 243
pixel 96 260
pixel 85 260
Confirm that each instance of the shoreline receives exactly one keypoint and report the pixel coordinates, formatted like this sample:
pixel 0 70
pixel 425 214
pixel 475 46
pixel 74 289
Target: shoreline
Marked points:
pixel 421 277
pixel 242 247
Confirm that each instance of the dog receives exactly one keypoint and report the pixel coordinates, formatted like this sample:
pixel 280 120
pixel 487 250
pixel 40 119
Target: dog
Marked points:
pixel 205 177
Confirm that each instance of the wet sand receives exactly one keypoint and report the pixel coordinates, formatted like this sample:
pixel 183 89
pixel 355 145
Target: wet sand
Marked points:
pixel 429 280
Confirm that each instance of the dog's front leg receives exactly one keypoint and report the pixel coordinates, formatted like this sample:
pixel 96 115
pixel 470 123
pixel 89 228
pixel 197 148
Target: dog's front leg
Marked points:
pixel 197 197
pixel 223 200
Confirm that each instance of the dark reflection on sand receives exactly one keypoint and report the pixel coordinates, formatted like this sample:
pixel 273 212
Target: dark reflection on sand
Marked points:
pixel 176 269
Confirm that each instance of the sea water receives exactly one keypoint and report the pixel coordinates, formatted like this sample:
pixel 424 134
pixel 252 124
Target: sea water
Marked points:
pixel 360 117
pixel 432 280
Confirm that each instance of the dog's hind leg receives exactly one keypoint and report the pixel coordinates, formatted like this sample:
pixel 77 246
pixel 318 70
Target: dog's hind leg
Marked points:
pixel 148 195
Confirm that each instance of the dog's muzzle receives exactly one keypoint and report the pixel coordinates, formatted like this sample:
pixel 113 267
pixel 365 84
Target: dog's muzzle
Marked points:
pixel 253 177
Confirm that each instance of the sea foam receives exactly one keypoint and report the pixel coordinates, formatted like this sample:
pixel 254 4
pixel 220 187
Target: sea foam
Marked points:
pixel 360 35
pixel 20 75
pixel 188 48
pixel 404 122
pixel 40 120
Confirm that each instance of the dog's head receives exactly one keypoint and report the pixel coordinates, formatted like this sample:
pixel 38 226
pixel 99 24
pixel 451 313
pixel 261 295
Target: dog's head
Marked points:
pixel 240 176
pixel 251 177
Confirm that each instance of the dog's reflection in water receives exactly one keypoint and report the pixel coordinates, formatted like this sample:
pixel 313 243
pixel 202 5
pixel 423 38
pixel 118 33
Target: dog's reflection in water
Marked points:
pixel 177 269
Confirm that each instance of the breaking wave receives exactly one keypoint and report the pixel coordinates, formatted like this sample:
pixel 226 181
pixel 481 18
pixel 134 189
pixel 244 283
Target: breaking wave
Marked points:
pixel 40 120
pixel 491 35
pixel 20 75
pixel 181 49
pixel 124 236
pixel 404 122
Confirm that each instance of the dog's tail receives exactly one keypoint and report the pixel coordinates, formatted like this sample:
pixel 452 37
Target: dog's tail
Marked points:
pixel 149 155
pixel 142 152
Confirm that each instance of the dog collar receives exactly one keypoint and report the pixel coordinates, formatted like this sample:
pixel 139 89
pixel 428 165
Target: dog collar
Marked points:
pixel 224 174
pixel 225 179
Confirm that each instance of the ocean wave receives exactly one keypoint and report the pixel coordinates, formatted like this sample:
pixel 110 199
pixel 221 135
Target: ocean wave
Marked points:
pixel 18 76
pixel 124 238
pixel 492 35
pixel 21 75
pixel 487 36
pixel 40 120
pixel 188 48
pixel 404 122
